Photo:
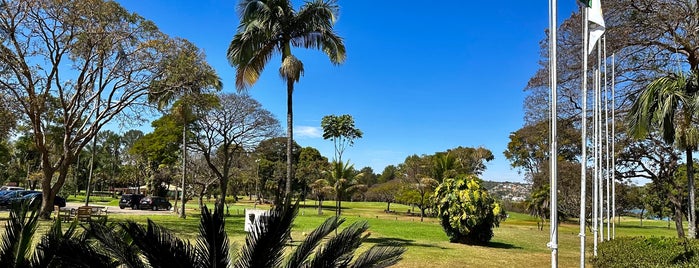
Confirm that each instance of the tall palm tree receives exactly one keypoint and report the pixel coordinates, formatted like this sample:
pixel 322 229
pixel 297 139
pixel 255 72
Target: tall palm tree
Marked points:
pixel 345 182
pixel 670 104
pixel 268 27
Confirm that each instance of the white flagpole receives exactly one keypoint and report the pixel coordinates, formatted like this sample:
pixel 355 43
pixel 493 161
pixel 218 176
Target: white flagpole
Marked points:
pixel 613 153
pixel 599 142
pixel 583 162
pixel 594 167
pixel 553 244
pixel 606 133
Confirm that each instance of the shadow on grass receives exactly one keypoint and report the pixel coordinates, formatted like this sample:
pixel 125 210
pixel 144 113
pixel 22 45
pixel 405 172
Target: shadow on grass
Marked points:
pixel 501 245
pixel 389 241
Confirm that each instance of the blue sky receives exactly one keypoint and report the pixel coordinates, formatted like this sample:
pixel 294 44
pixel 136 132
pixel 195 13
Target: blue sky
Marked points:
pixel 420 76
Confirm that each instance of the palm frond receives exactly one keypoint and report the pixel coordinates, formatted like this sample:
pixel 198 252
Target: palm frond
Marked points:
pixel 212 243
pixel 379 256
pixel 160 246
pixel 249 52
pixel 264 245
pixel 305 249
pixel 339 250
pixel 19 230
pixel 117 244
pixel 69 249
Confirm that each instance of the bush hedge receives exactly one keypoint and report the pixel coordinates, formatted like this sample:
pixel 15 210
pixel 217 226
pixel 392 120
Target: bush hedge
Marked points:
pixel 647 252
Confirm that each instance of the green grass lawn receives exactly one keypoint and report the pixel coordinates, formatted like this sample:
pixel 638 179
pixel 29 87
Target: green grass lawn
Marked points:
pixel 517 242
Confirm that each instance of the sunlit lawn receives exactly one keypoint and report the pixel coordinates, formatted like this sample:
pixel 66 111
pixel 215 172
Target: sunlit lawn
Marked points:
pixel 517 241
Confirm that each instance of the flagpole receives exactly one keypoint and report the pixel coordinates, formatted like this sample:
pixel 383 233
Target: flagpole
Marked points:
pixel 606 133
pixel 613 153
pixel 600 196
pixel 583 162
pixel 553 244
pixel 594 168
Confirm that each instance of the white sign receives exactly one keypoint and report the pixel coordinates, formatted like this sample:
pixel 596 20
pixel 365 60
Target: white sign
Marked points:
pixel 252 216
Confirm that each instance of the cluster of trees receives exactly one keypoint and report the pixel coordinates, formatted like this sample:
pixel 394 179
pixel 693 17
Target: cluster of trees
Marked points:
pixel 655 73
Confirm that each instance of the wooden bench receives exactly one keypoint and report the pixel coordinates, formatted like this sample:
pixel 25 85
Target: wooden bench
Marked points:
pixel 84 214
pixel 64 214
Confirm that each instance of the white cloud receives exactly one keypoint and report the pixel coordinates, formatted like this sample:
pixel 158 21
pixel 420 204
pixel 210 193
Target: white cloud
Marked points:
pixel 308 132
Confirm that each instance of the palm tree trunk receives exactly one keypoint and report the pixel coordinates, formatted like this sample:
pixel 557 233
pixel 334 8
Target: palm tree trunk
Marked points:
pixel 692 208
pixel 290 137
pixel 184 164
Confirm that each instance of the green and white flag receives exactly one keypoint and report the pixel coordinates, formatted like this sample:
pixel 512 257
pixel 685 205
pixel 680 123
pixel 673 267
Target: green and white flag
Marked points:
pixel 596 23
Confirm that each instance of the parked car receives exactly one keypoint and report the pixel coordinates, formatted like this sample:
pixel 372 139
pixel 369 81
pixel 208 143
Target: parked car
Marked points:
pixel 37 197
pixel 11 188
pixel 6 199
pixel 155 203
pixel 130 200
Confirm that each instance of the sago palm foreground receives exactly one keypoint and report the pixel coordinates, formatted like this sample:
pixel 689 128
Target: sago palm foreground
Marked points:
pixel 129 244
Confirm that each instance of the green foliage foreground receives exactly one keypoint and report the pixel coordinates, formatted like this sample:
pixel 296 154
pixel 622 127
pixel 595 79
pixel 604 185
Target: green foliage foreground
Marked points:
pixel 130 244
pixel 648 252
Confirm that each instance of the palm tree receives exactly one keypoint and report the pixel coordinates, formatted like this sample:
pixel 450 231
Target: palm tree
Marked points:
pixel 538 205
pixel 670 103
pixel 345 182
pixel 268 27
pixel 55 249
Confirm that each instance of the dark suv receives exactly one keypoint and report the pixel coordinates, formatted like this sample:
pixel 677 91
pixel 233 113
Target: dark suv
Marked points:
pixel 155 203
pixel 130 200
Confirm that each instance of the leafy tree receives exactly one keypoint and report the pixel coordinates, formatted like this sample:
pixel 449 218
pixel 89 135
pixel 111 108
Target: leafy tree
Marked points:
pixel 321 189
pixel 226 132
pixel 262 33
pixel 312 166
pixel 469 160
pixel 341 131
pixel 389 173
pixel 273 169
pixel 466 211
pixel 370 178
pixel 91 62
pixel 415 171
pixel 385 192
pixel 657 161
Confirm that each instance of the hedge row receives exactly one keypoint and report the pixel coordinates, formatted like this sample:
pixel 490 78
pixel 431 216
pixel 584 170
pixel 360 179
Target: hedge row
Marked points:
pixel 647 252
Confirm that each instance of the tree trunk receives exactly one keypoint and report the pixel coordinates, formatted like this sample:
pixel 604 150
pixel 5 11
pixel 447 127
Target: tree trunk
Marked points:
pixel 184 164
pixel 692 208
pixel 678 217
pixel 320 206
pixel 290 137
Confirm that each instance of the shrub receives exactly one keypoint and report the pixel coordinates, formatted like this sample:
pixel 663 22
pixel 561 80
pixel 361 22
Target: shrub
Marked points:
pixel 467 212
pixel 647 252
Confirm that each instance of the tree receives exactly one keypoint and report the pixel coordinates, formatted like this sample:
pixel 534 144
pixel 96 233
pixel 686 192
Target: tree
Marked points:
pixel 538 205
pixel 321 189
pixel 669 104
pixel 341 131
pixel 200 79
pixel 311 167
pixel 388 174
pixel 76 66
pixel 345 181
pixel 654 159
pixel 262 33
pixel 415 171
pixel 385 192
pixel 230 130
pixel 466 211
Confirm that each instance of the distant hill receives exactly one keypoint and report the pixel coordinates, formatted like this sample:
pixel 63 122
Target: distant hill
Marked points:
pixel 512 191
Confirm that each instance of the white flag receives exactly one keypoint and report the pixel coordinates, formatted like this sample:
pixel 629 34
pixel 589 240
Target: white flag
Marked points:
pixel 596 23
